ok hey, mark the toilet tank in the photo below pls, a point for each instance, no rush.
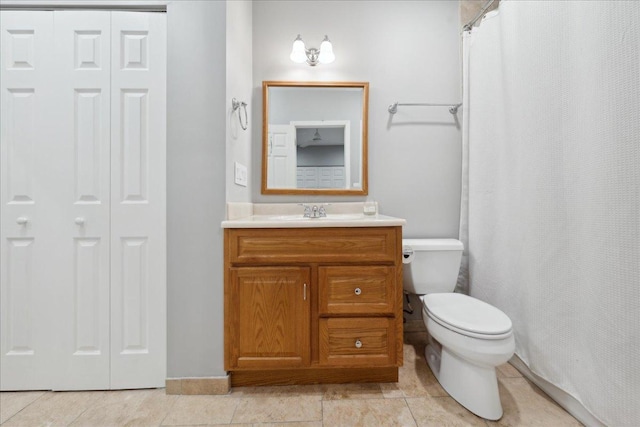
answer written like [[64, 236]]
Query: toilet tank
[[431, 265]]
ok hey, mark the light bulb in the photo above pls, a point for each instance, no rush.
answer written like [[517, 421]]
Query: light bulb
[[326, 52], [298, 52]]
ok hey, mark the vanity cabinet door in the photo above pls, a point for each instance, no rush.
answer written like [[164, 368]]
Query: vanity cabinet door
[[268, 317]]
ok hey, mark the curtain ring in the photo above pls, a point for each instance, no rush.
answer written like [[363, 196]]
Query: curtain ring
[[235, 104]]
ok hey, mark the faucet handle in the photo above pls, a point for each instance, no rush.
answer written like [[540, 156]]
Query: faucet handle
[[323, 209], [307, 210]]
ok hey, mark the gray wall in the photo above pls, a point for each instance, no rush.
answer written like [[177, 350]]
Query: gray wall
[[196, 123], [239, 86], [409, 51]]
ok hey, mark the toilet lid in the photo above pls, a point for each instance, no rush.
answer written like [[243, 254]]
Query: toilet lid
[[467, 313]]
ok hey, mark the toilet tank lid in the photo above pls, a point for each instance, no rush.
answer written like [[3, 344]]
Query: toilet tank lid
[[433, 244]]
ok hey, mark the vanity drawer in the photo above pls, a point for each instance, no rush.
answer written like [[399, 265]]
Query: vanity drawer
[[360, 290], [357, 341], [281, 245]]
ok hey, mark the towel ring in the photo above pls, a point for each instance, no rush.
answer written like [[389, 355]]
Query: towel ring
[[235, 104]]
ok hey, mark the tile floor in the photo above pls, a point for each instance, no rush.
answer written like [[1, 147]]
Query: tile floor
[[416, 400]]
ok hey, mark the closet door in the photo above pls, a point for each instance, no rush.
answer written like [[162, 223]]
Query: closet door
[[138, 200], [83, 244], [27, 177], [83, 73]]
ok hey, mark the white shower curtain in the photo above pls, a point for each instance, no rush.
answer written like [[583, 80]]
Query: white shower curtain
[[553, 122], [463, 277]]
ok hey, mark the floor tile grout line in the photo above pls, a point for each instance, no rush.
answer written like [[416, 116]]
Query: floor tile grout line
[[410, 411], [175, 401], [26, 406], [235, 409], [85, 409]]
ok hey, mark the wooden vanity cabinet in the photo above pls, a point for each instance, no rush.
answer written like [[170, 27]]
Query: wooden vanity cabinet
[[313, 305]]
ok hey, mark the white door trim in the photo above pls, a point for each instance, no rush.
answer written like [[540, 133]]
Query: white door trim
[[346, 124]]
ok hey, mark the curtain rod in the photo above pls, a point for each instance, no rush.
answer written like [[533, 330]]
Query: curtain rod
[[478, 16]]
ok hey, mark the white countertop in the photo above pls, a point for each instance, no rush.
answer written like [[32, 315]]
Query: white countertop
[[289, 215], [297, 221]]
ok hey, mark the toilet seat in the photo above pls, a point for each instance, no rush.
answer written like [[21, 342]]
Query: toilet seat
[[467, 316]]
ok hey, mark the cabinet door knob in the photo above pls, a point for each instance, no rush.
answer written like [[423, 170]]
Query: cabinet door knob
[[22, 220], [358, 291], [358, 343], [79, 220]]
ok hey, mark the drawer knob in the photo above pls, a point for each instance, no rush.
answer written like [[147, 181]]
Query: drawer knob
[[358, 343], [358, 291]]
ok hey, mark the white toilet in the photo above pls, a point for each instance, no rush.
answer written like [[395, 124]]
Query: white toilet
[[468, 337]]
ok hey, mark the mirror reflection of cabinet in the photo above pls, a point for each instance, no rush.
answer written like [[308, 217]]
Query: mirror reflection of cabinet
[[315, 138]]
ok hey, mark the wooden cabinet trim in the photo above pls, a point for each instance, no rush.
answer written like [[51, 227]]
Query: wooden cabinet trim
[[282, 246], [314, 375]]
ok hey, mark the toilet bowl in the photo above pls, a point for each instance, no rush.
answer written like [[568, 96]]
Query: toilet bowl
[[468, 338], [467, 342]]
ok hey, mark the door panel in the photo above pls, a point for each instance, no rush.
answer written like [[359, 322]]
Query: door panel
[[83, 80], [90, 132], [138, 200], [20, 287], [88, 322], [20, 109], [135, 288], [25, 176]]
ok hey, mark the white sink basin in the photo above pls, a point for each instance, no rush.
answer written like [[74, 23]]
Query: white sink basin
[[329, 217], [345, 217], [285, 218]]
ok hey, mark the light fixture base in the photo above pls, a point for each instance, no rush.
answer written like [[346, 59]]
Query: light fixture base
[[312, 56]]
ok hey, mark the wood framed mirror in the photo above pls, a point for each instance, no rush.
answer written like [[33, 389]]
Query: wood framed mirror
[[314, 138]]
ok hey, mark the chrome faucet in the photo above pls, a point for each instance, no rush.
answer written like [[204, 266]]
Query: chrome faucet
[[314, 211]]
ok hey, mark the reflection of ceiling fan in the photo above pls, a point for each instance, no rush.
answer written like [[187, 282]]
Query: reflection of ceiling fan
[[316, 139]]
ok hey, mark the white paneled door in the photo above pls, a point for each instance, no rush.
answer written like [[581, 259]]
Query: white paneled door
[[138, 213], [82, 205], [28, 242], [282, 157], [83, 200]]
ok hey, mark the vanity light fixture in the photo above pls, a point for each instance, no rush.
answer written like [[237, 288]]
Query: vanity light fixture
[[312, 56]]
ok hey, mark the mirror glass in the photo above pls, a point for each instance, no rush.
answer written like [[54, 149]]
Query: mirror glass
[[314, 138]]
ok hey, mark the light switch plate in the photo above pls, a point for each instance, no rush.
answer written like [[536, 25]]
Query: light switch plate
[[240, 174]]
